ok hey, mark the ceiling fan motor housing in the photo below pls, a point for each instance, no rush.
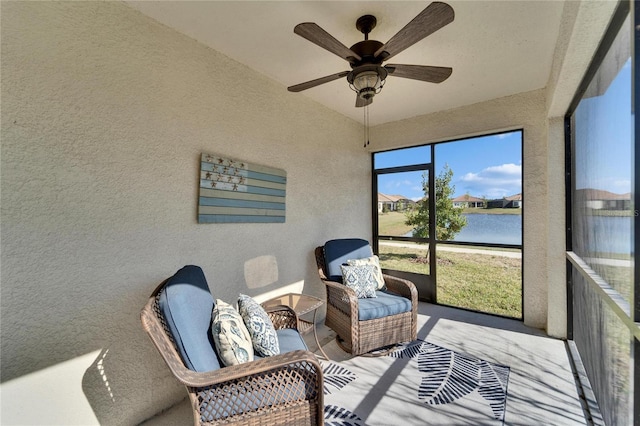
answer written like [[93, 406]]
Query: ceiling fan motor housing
[[366, 50]]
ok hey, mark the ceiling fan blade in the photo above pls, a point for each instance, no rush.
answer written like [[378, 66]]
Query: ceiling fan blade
[[361, 102], [430, 20], [317, 35], [318, 81], [419, 72]]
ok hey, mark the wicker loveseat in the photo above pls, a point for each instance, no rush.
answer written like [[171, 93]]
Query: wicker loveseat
[[281, 389], [365, 324]]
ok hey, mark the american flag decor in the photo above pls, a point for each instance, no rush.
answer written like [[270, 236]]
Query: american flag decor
[[233, 191]]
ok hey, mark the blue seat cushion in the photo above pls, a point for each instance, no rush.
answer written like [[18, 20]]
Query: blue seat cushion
[[382, 306], [289, 340], [337, 252], [186, 304]]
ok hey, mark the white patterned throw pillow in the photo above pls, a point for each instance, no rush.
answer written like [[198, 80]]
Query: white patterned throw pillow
[[230, 335], [361, 279], [261, 329], [375, 261]]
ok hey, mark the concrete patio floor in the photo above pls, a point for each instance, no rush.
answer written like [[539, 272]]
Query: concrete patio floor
[[542, 389]]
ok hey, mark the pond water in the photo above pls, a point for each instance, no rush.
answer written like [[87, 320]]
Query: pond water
[[492, 228], [602, 234]]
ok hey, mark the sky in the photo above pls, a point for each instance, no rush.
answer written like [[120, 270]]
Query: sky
[[485, 167], [604, 157], [491, 166]]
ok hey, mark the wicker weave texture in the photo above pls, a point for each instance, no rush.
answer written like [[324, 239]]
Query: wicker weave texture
[[365, 336], [285, 389]]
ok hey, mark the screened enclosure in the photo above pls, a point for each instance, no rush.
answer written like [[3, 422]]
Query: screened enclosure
[[602, 135]]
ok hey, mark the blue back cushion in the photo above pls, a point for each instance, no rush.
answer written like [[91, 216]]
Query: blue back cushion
[[337, 252], [186, 304]]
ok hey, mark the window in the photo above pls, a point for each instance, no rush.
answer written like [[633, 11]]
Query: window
[[401, 182], [461, 246], [480, 267]]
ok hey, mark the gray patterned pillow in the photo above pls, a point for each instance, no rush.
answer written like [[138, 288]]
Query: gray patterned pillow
[[361, 279], [375, 261], [261, 329], [230, 335]]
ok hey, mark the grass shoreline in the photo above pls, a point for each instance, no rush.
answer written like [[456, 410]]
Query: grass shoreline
[[444, 247], [499, 211], [480, 282]]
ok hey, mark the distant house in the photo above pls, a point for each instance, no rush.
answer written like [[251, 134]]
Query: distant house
[[499, 203], [599, 199], [392, 203], [514, 201], [467, 200], [511, 202]]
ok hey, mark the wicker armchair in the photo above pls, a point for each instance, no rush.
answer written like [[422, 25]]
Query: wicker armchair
[[363, 336], [285, 389]]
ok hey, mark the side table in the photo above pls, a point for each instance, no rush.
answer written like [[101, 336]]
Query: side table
[[301, 304]]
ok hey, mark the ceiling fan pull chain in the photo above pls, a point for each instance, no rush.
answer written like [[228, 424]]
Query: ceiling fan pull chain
[[366, 125]]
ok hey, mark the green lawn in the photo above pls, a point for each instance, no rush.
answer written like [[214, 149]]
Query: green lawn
[[404, 259], [392, 223], [620, 278], [481, 282]]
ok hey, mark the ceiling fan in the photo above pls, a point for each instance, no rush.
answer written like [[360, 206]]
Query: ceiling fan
[[365, 57]]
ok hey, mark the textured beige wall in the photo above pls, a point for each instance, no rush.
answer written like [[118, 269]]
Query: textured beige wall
[[104, 116], [556, 245], [583, 26], [523, 111]]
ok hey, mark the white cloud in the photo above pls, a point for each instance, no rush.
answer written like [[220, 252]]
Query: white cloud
[[617, 184], [493, 182], [506, 135], [622, 186]]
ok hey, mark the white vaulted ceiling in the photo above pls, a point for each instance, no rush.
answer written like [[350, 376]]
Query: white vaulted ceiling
[[496, 48]]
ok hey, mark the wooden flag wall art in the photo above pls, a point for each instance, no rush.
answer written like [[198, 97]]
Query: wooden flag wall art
[[233, 191]]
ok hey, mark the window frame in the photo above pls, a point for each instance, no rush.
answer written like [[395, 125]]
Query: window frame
[[432, 278]]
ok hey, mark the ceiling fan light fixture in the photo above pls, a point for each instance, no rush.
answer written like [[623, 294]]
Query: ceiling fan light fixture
[[367, 82]]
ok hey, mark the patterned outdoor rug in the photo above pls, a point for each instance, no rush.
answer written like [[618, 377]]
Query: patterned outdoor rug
[[416, 384]]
